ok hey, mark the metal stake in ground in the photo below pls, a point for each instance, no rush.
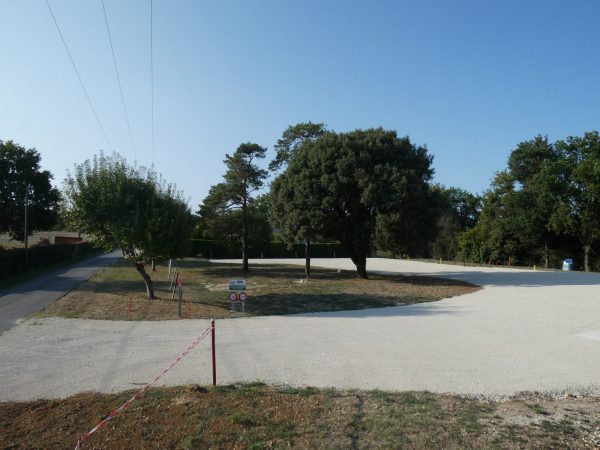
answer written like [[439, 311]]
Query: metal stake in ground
[[180, 299], [214, 357]]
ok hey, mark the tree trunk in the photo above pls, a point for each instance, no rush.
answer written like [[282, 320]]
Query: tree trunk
[[149, 286], [245, 236], [307, 254], [361, 266], [358, 257], [546, 258], [586, 257]]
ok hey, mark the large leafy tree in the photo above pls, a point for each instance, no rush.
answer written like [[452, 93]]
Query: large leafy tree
[[530, 211], [129, 207], [359, 182], [23, 181], [579, 212], [294, 216], [242, 180]]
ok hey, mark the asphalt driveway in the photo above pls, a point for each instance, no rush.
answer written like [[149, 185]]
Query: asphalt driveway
[[25, 299]]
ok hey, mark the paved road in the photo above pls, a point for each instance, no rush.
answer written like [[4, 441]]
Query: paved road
[[21, 301], [525, 331]]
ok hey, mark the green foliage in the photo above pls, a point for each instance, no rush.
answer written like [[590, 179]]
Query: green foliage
[[129, 207], [544, 207], [347, 186], [20, 169], [230, 209], [227, 224], [459, 212], [579, 212], [292, 139]]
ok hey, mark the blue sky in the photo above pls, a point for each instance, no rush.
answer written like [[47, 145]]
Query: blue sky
[[468, 79]]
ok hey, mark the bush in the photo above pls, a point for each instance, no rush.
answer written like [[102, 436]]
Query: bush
[[12, 261]]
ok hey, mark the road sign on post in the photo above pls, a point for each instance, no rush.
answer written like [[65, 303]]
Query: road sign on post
[[237, 285], [237, 288]]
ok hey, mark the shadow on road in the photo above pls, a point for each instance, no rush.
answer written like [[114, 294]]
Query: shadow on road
[[521, 279], [54, 281]]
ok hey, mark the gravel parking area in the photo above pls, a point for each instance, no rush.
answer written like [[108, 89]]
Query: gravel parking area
[[526, 331]]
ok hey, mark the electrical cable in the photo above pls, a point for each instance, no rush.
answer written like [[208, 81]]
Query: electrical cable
[[79, 77], [119, 80], [152, 77]]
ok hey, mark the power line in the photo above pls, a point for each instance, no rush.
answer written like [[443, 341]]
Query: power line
[[119, 80], [152, 78], [79, 77]]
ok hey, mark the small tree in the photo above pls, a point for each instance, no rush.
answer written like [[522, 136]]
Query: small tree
[[24, 182], [242, 179], [128, 207]]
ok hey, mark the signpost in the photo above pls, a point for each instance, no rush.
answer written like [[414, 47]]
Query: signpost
[[237, 288]]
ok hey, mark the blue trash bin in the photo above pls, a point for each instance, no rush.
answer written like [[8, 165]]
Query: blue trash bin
[[567, 265]]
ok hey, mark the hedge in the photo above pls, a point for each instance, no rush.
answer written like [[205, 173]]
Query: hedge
[[231, 250], [12, 261]]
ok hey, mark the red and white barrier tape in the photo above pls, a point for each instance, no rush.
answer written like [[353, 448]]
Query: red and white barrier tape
[[140, 392]]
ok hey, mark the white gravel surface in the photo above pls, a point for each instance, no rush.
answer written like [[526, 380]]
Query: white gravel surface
[[526, 330]]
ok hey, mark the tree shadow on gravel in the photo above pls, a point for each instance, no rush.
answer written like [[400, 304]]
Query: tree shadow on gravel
[[521, 279], [358, 305]]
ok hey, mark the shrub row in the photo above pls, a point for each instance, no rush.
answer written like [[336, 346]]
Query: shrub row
[[13, 262], [231, 249]]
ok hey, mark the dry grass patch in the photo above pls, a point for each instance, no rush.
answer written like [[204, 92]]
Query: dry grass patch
[[118, 292], [255, 416]]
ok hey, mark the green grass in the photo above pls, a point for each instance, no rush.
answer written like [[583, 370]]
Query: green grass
[[272, 290], [253, 415]]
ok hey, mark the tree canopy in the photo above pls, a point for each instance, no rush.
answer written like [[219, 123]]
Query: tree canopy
[[544, 207], [129, 207], [292, 139], [347, 186], [23, 180]]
